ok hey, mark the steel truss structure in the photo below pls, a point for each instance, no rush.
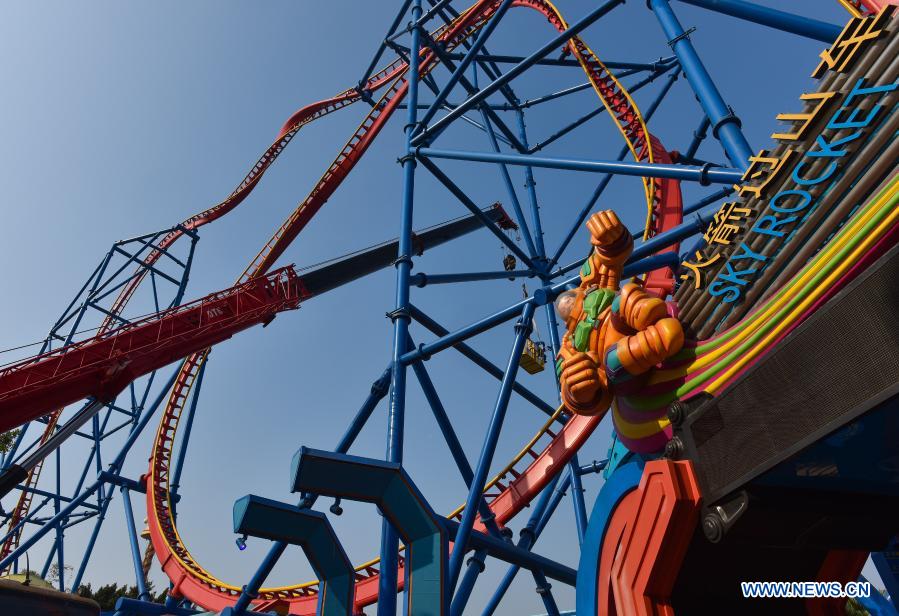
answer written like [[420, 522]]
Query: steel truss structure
[[118, 409]]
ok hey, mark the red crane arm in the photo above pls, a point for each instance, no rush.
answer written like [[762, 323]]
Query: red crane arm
[[102, 367]]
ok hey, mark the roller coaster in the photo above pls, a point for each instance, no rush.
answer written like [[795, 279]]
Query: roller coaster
[[750, 378]]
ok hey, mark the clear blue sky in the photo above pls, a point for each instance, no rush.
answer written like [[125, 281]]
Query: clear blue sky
[[123, 118]]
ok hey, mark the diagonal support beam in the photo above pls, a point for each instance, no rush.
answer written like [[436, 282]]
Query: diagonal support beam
[[515, 71], [704, 175], [490, 368], [773, 18], [726, 126]]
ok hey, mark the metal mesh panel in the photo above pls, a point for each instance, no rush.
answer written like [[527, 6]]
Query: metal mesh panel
[[840, 363]]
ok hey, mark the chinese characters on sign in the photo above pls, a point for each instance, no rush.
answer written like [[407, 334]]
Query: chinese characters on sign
[[797, 168]]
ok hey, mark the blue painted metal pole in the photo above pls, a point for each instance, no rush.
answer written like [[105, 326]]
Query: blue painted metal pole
[[543, 589], [377, 392], [387, 582], [476, 565], [470, 54], [76, 583], [452, 441], [474, 209], [704, 175], [712, 198], [549, 500], [600, 188], [251, 590], [60, 540], [886, 573], [481, 361], [523, 329], [594, 467], [516, 70], [514, 555], [507, 180], [469, 87], [663, 240], [531, 187], [773, 18], [453, 338], [570, 62], [699, 136], [132, 607], [142, 593], [443, 422], [185, 439], [600, 109], [725, 125], [639, 259], [25, 520], [383, 45], [421, 279]]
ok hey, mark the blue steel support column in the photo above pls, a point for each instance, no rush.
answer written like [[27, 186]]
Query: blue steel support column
[[387, 581], [543, 589], [712, 198], [476, 565], [698, 137], [481, 361], [523, 328], [530, 185], [185, 439], [383, 45], [600, 109], [421, 279], [251, 590], [101, 516], [779, 20], [452, 441], [142, 593], [706, 174], [507, 180], [60, 562], [549, 500], [725, 125]]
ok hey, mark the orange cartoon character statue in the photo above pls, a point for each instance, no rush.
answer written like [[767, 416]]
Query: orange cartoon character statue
[[613, 339]]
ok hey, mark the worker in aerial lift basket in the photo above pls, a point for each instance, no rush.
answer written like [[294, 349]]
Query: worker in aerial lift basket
[[613, 338]]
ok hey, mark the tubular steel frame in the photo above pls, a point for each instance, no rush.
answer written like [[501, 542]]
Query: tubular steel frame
[[423, 126]]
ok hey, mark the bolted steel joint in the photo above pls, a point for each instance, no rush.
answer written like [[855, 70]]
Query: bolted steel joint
[[674, 449]]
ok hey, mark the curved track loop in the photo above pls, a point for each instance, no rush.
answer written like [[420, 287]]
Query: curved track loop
[[190, 579]]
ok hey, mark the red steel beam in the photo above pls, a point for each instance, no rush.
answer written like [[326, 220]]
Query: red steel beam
[[101, 367]]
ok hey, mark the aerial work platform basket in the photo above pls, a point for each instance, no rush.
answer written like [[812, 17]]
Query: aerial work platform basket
[[533, 357]]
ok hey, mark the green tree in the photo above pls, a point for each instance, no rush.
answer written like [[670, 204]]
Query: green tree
[[7, 439], [108, 594], [53, 573]]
